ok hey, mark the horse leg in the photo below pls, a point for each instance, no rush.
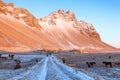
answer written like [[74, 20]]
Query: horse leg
[[110, 65], [106, 65], [92, 65], [88, 65]]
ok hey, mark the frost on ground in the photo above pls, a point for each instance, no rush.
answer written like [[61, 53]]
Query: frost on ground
[[48, 68], [106, 73], [51, 68]]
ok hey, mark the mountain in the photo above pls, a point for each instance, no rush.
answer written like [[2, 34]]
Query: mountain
[[20, 30], [19, 13], [69, 33]]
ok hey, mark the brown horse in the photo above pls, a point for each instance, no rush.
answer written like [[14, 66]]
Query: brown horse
[[63, 60], [4, 58], [117, 63], [18, 65]]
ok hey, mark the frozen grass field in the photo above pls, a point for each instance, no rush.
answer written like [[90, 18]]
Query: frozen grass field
[[52, 68]]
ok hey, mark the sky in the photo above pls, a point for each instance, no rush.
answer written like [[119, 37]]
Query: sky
[[103, 14]]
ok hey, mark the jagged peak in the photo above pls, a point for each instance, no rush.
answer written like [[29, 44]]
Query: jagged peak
[[61, 11], [6, 4], [83, 22], [1, 2], [10, 4], [67, 16], [70, 12], [19, 13]]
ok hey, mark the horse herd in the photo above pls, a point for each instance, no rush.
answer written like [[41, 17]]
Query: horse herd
[[106, 63], [17, 61], [92, 64], [11, 57], [89, 64]]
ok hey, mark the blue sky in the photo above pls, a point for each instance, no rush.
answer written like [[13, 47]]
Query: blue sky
[[103, 14]]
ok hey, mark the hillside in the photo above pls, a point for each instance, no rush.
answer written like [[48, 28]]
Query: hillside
[[20, 30]]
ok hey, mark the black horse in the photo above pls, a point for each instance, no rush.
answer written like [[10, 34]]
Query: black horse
[[11, 56], [90, 64], [107, 63], [0, 55]]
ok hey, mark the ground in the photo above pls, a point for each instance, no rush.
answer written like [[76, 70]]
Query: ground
[[52, 68]]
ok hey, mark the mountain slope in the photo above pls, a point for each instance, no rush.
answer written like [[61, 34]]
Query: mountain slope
[[19, 13], [20, 30], [70, 33]]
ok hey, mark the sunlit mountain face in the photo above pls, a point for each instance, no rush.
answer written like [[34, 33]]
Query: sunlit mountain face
[[20, 30]]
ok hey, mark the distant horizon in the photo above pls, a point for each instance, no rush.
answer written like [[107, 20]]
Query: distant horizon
[[103, 14]]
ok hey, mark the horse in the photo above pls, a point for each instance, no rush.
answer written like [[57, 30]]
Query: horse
[[4, 58], [107, 63], [117, 63], [17, 66], [11, 56], [63, 60], [90, 64], [109, 57], [0, 55]]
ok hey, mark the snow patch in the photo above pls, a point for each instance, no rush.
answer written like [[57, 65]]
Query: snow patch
[[9, 8], [21, 15]]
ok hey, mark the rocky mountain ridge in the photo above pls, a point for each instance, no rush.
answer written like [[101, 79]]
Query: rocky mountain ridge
[[20, 30], [83, 27], [19, 13]]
